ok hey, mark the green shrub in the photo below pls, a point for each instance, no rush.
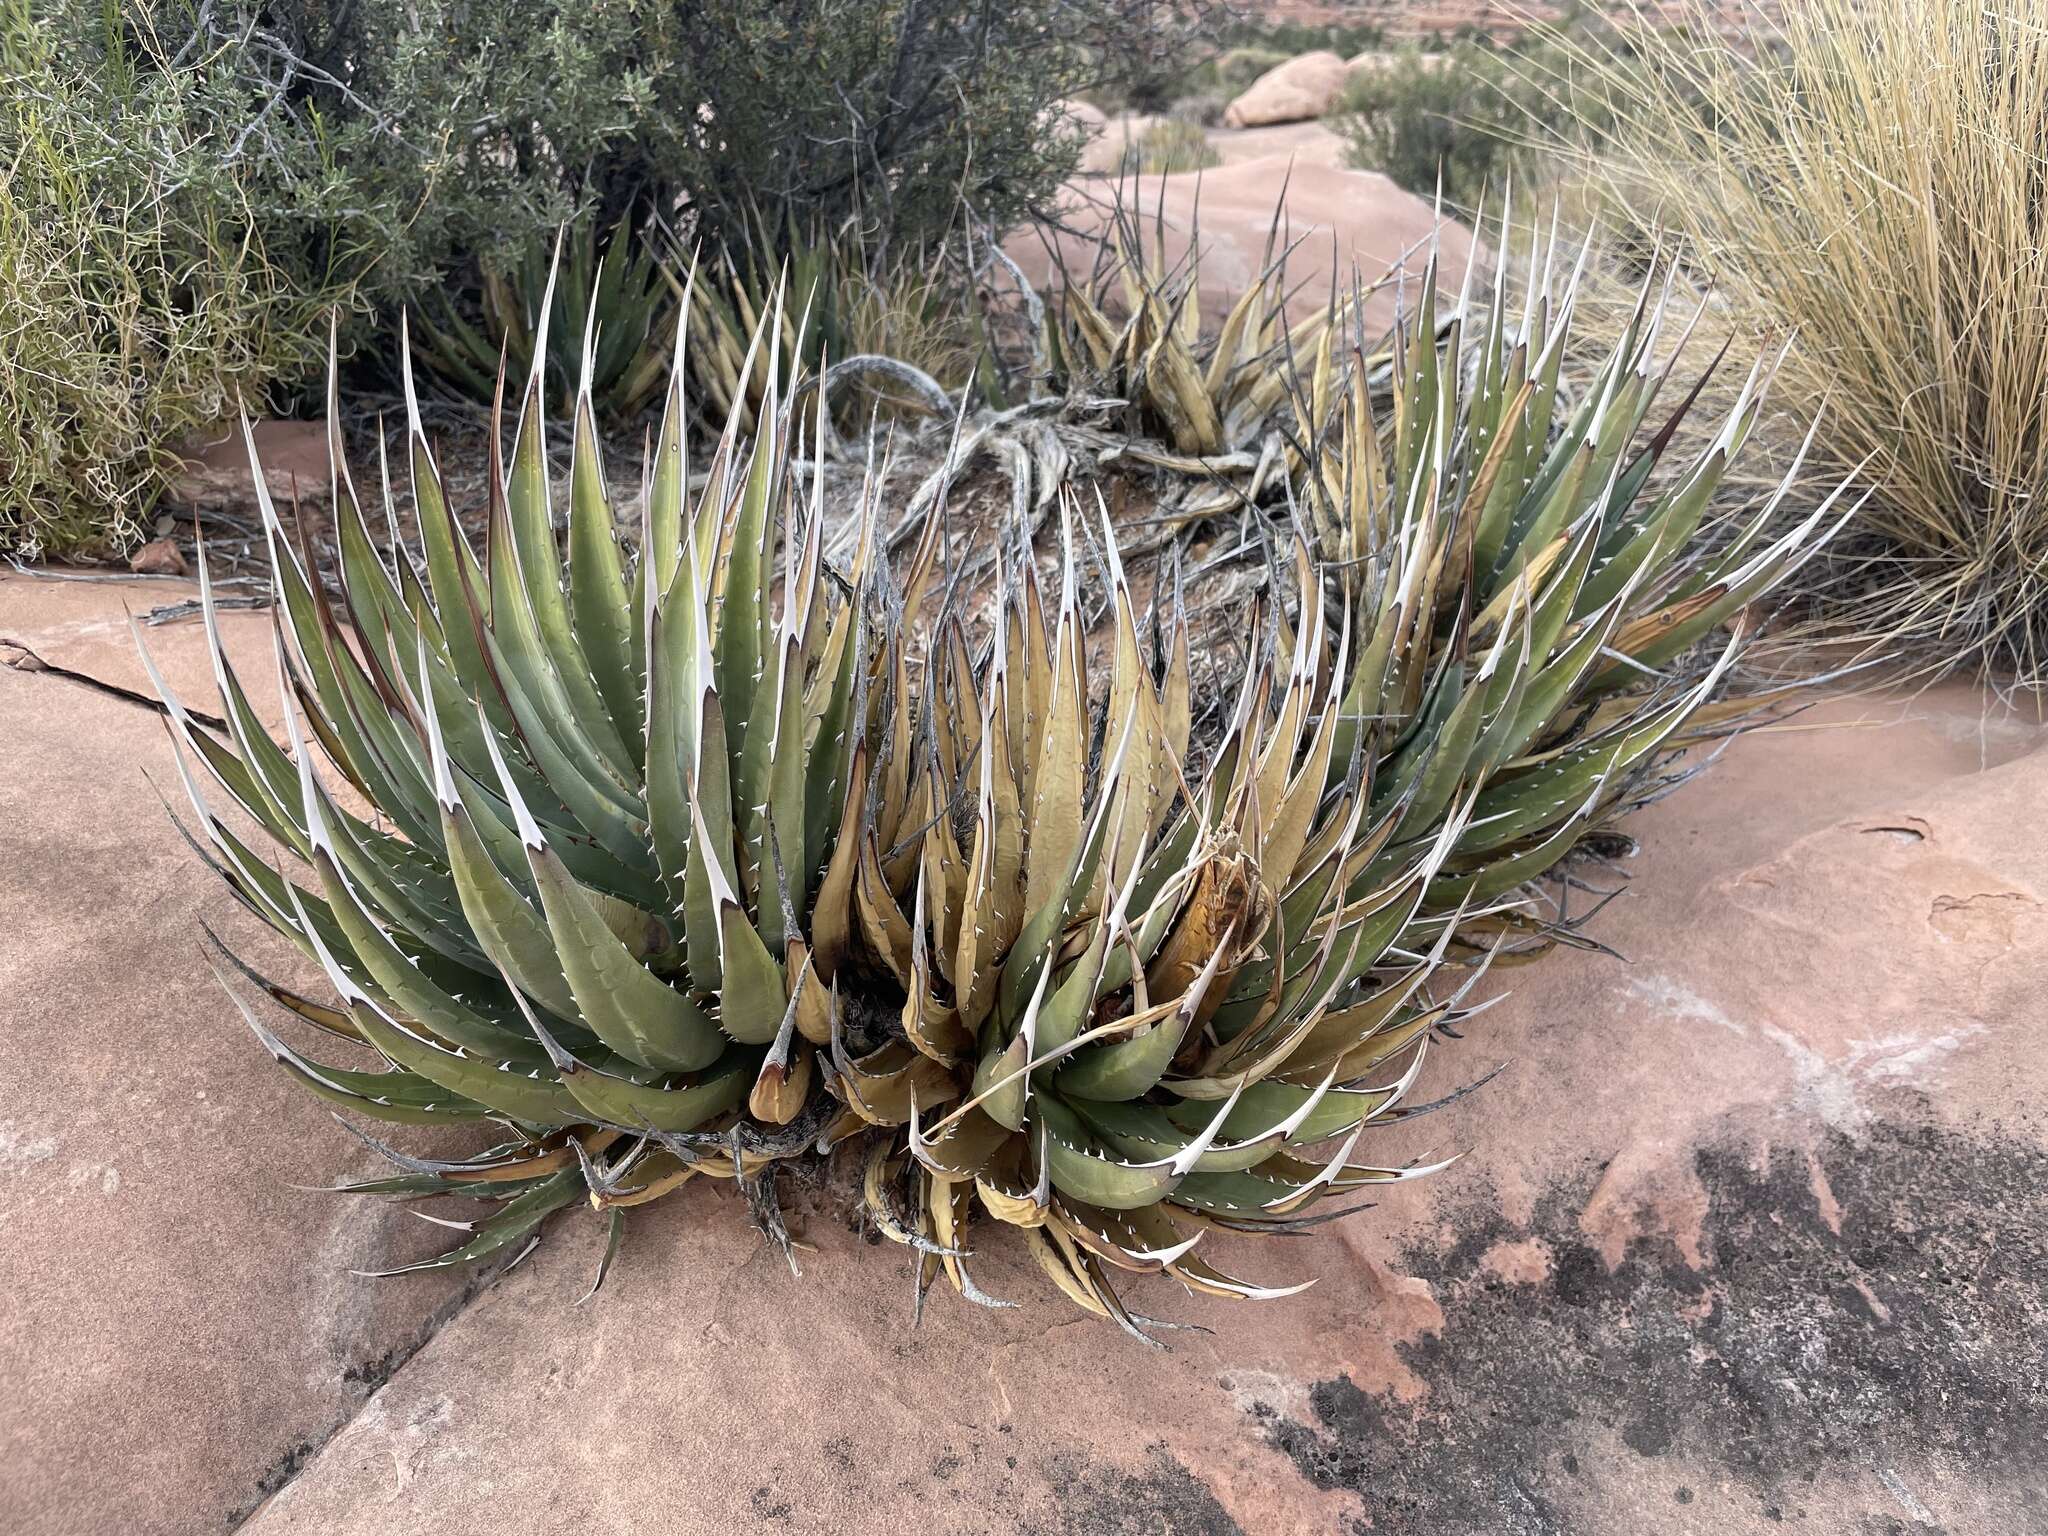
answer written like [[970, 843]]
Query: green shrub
[[1286, 39], [887, 120], [462, 131], [1475, 114], [193, 184], [1204, 111], [1237, 68], [1241, 48], [1416, 115], [140, 304]]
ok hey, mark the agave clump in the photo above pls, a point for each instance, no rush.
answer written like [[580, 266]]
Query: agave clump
[[704, 854]]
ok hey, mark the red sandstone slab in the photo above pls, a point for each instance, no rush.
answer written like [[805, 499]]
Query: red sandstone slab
[[179, 1327]]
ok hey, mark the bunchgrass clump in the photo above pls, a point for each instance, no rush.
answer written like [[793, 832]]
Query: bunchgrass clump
[[1169, 146], [1866, 181], [1475, 117]]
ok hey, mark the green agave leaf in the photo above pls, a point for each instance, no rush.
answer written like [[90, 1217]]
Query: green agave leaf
[[1272, 1189], [369, 746], [540, 614], [509, 931], [1748, 582], [1285, 1111], [401, 884], [673, 1104], [754, 992], [528, 1093], [679, 662], [633, 1011], [447, 1015], [743, 614], [828, 758], [1100, 1178], [1125, 1069], [1503, 875], [398, 1097], [1146, 1133], [461, 598], [600, 603], [1002, 1077], [520, 1218], [709, 871], [596, 804]]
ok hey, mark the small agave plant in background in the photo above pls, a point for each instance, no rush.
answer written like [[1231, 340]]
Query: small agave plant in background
[[694, 852], [617, 292]]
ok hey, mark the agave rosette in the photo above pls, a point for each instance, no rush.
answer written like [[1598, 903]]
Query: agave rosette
[[1196, 984], [620, 288], [703, 853], [605, 794], [1134, 327], [1128, 1000]]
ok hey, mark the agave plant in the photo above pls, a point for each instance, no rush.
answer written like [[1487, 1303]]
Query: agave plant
[[1134, 328], [619, 292], [1147, 385], [584, 909], [1198, 982], [704, 854]]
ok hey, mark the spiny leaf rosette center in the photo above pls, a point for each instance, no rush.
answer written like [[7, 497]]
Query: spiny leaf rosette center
[[703, 848]]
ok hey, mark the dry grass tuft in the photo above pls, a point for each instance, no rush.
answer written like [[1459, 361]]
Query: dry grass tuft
[[1870, 184]]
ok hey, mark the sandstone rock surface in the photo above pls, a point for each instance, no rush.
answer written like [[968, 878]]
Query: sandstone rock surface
[[1299, 144], [1311, 143], [159, 557]]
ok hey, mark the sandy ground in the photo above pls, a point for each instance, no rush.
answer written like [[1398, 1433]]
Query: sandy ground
[[1748, 1237]]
